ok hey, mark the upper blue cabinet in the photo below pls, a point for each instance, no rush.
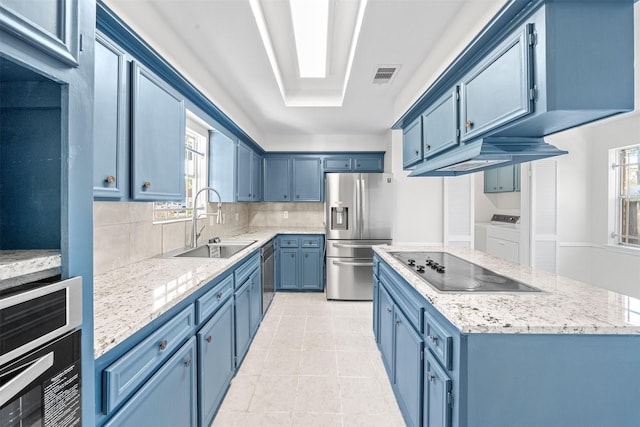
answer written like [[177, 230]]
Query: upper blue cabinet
[[248, 175], [354, 162], [307, 179], [277, 186], [538, 68], [51, 26], [157, 138]]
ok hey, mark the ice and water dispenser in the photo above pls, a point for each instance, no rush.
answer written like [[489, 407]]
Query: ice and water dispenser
[[339, 218]]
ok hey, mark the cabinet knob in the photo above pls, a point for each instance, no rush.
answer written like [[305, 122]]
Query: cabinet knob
[[208, 338], [306, 255], [397, 323], [427, 147], [416, 152], [469, 124], [431, 377], [358, 165], [346, 165], [285, 196], [433, 339], [297, 196], [111, 179], [163, 344], [219, 295], [292, 255], [147, 184], [388, 309], [187, 363]]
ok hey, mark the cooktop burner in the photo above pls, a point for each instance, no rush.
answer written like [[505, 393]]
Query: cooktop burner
[[448, 273]]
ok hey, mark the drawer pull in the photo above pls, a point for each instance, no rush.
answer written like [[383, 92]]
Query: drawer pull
[[469, 124], [389, 309], [163, 344], [397, 323], [219, 295], [187, 363], [431, 377], [416, 152], [111, 179], [433, 339], [293, 255], [208, 338], [346, 165]]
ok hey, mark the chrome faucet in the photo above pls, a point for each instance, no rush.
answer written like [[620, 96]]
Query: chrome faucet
[[194, 216]]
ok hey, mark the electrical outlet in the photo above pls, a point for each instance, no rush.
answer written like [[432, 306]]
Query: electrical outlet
[[285, 214]]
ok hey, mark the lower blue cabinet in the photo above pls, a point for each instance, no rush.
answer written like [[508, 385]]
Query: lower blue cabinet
[[385, 330], [310, 273], [242, 298], [215, 361], [407, 352], [437, 394], [168, 399], [288, 269], [301, 263], [255, 293]]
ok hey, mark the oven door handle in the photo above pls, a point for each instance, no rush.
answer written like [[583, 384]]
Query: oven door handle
[[354, 264], [22, 380]]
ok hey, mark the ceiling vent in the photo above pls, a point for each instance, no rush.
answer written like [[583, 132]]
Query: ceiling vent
[[384, 74]]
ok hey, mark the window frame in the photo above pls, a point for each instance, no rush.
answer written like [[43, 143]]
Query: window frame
[[618, 235]]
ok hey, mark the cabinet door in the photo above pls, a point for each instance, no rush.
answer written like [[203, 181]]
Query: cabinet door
[[516, 177], [376, 307], [242, 313], [412, 143], [310, 271], [157, 138], [110, 121], [407, 349], [169, 398], [440, 125], [307, 180], [289, 269], [337, 164], [222, 167], [255, 315], [506, 178], [51, 26], [497, 90], [385, 331], [277, 179], [368, 164], [491, 180], [243, 173], [437, 394], [215, 361], [256, 177]]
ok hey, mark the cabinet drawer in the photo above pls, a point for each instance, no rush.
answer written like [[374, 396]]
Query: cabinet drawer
[[438, 340], [243, 272], [209, 302], [127, 373], [310, 242], [286, 242]]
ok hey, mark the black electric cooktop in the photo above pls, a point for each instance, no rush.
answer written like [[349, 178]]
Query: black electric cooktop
[[448, 273]]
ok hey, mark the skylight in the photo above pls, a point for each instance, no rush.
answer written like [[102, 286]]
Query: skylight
[[310, 25]]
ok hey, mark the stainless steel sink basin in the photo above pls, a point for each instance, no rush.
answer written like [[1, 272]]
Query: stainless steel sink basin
[[222, 249]]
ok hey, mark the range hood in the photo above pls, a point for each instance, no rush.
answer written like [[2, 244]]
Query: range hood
[[486, 153]]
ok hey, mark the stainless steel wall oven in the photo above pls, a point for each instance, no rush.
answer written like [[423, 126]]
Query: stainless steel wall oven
[[40, 377]]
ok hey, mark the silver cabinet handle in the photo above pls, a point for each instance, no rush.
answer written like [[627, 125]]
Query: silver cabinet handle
[[208, 338], [353, 264], [433, 339], [187, 363], [163, 344], [17, 384], [431, 377]]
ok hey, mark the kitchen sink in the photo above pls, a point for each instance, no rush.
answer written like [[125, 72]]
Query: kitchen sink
[[222, 249]]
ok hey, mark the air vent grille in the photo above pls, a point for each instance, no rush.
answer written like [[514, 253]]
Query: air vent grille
[[384, 75]]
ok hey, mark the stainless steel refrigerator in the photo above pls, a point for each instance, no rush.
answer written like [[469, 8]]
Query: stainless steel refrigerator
[[358, 215]]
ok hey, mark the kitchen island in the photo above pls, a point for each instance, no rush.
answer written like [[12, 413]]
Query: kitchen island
[[568, 355]]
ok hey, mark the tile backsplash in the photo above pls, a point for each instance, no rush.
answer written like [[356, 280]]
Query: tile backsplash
[[124, 233]]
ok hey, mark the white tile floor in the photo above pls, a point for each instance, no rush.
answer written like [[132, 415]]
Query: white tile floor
[[313, 362]]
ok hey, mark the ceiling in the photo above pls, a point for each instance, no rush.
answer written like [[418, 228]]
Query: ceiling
[[217, 45]]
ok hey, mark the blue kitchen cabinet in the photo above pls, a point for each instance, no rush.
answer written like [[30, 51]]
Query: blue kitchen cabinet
[[215, 361], [51, 26], [288, 270], [440, 125], [437, 394], [301, 263], [222, 167], [337, 164], [243, 171], [157, 138], [277, 186], [307, 179], [255, 291], [310, 269], [385, 322], [354, 162], [412, 143], [502, 180], [368, 164], [256, 177], [408, 353], [242, 324], [497, 90], [110, 143], [168, 399]]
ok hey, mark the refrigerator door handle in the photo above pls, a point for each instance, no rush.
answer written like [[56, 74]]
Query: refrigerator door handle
[[357, 208], [363, 194], [343, 245]]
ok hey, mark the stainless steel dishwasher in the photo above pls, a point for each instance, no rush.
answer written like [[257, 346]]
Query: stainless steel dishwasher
[[268, 289]]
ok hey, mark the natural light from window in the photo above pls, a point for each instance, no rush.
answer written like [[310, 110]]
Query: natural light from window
[[627, 208]]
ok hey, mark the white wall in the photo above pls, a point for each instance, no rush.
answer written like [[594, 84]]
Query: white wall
[[493, 203]]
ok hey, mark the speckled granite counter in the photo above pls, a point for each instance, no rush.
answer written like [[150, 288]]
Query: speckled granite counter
[[14, 264], [565, 306], [128, 298]]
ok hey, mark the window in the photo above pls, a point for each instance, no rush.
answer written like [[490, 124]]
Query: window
[[627, 196], [195, 173]]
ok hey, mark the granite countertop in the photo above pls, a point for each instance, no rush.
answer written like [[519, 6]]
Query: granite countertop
[[14, 264], [565, 306], [128, 298]]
